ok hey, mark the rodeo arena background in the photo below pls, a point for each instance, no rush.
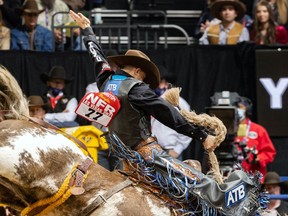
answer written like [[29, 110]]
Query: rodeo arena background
[[143, 107]]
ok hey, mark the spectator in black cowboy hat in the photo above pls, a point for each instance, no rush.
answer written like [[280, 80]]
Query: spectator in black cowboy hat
[[273, 185], [62, 106], [37, 106]]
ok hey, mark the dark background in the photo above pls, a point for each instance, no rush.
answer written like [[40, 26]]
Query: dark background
[[200, 70], [272, 64]]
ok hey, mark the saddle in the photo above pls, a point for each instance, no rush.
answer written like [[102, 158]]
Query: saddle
[[147, 185], [187, 189]]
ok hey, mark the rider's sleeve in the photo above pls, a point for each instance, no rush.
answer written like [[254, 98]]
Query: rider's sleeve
[[101, 66], [144, 98]]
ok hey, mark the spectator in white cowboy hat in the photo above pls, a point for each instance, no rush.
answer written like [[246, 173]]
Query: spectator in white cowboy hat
[[228, 31], [37, 106], [62, 106], [273, 185], [31, 36]]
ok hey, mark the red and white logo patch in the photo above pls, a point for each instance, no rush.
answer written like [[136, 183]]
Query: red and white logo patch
[[100, 107]]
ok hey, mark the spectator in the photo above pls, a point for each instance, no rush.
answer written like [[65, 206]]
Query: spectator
[[62, 106], [206, 19], [265, 30], [167, 81], [9, 9], [4, 35], [256, 138], [280, 10], [51, 7], [228, 31], [31, 36], [37, 107], [273, 185], [171, 141]]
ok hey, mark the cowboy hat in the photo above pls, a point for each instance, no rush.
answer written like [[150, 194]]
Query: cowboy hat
[[36, 100], [56, 72], [217, 5], [137, 58], [30, 6], [274, 178]]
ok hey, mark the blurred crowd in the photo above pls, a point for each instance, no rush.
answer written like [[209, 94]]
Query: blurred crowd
[[38, 24], [44, 25]]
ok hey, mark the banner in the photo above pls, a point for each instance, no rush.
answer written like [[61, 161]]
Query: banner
[[272, 94]]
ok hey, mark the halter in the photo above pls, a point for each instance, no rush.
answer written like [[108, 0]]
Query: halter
[[72, 185]]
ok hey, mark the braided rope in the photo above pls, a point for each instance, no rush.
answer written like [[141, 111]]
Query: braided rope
[[210, 123], [54, 198]]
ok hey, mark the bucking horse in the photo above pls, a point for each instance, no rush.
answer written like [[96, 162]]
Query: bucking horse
[[43, 172]]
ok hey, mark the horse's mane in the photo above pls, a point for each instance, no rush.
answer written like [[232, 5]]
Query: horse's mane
[[13, 104]]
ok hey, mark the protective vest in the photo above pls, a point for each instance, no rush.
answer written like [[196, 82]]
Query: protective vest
[[130, 124], [232, 36]]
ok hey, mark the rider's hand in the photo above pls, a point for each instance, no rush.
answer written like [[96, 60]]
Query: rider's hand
[[82, 21], [209, 143]]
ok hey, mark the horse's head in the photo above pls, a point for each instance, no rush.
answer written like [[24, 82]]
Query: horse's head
[[33, 162]]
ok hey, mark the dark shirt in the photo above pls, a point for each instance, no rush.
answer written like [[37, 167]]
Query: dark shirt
[[11, 16], [141, 96]]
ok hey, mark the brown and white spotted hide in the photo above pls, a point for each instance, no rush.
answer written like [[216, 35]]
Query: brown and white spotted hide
[[35, 161]]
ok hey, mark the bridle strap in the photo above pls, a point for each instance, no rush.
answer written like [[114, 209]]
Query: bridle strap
[[43, 206], [103, 198]]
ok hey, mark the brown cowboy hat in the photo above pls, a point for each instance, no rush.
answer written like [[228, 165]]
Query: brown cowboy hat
[[274, 178], [36, 100], [137, 58], [30, 6], [217, 5], [56, 72]]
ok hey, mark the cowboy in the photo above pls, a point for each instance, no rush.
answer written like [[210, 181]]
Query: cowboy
[[31, 36], [273, 185], [62, 106], [228, 31], [134, 85], [37, 106]]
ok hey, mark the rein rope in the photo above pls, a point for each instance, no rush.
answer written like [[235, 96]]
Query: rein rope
[[211, 123]]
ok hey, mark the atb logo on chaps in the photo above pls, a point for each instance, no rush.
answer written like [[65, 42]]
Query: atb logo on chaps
[[235, 195]]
